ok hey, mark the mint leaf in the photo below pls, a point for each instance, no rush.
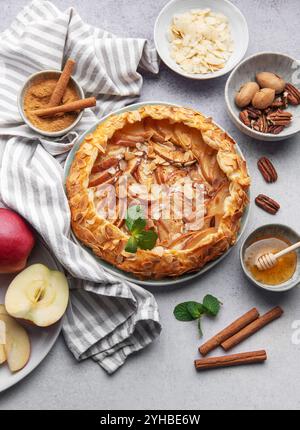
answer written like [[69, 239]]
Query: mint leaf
[[131, 245], [138, 226], [195, 309], [133, 214], [147, 239], [181, 312], [211, 304], [188, 311], [199, 327]]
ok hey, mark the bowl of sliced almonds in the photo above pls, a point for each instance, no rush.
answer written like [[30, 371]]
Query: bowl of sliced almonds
[[201, 39]]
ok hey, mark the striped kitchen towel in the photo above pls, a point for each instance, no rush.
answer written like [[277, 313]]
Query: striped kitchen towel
[[107, 318]]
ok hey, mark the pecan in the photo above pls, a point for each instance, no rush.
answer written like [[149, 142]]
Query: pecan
[[244, 117], [267, 204], [262, 124], [267, 169], [275, 129], [253, 113], [279, 117], [293, 94], [280, 101]]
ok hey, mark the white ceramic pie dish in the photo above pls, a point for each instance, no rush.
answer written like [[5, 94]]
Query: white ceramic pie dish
[[125, 275], [238, 25]]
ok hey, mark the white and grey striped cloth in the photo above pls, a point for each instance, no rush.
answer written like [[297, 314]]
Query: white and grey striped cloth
[[107, 319]]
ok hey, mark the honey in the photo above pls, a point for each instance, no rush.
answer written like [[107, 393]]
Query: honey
[[283, 269]]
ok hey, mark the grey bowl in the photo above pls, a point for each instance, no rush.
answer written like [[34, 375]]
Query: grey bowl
[[28, 82], [272, 229], [281, 64], [125, 275]]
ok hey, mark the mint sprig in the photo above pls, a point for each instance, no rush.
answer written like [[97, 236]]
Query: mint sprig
[[140, 237], [189, 311]]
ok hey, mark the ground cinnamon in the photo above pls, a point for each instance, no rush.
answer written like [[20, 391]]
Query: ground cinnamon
[[62, 83], [252, 328], [231, 360], [38, 95], [229, 331]]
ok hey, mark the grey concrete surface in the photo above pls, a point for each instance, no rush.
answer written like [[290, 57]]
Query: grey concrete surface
[[163, 376]]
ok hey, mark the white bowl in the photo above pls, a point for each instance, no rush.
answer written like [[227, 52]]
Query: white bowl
[[281, 64], [239, 31], [272, 230], [28, 82]]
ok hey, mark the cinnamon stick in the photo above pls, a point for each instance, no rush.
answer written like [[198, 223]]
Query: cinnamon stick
[[62, 83], [229, 331], [68, 107], [252, 328], [231, 360]]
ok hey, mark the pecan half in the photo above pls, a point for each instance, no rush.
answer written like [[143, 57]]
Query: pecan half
[[253, 113], [244, 117], [267, 204], [279, 117], [293, 94], [280, 101], [262, 124], [267, 170], [275, 129]]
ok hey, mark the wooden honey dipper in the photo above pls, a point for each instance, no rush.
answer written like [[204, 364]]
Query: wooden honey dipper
[[267, 261]]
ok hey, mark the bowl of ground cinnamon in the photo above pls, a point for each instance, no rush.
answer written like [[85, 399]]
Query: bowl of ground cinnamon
[[51, 102]]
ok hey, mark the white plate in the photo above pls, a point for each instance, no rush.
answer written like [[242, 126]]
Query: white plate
[[238, 25], [41, 339], [125, 275]]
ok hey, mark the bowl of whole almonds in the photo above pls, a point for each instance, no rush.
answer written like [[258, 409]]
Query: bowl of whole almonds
[[262, 95]]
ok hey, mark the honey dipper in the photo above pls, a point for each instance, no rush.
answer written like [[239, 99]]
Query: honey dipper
[[267, 261]]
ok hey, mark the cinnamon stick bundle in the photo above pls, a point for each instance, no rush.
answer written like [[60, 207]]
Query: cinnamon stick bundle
[[68, 107], [252, 328], [229, 331], [231, 360], [62, 83]]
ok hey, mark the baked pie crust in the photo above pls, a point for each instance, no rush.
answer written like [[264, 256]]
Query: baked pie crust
[[159, 144]]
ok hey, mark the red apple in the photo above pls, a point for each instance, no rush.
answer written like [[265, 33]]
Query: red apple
[[16, 241]]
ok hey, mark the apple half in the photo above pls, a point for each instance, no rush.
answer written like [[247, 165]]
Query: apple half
[[38, 294], [16, 349]]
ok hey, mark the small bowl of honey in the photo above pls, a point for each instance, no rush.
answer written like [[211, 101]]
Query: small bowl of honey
[[271, 238]]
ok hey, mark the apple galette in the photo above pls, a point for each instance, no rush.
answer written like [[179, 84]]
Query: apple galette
[[181, 173]]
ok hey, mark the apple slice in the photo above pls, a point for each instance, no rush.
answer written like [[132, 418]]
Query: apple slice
[[17, 346], [3, 310], [2, 341], [38, 294], [2, 354]]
